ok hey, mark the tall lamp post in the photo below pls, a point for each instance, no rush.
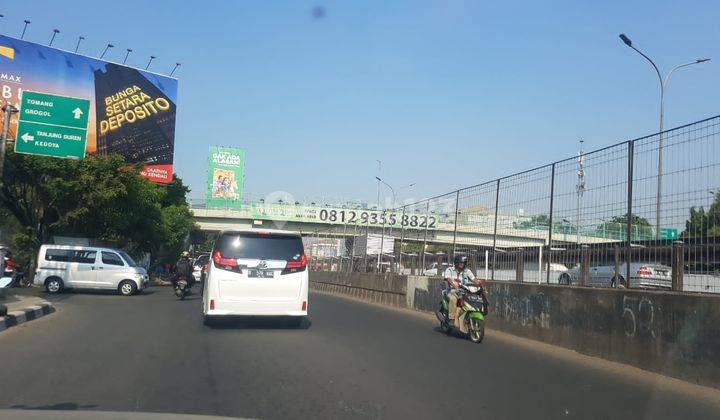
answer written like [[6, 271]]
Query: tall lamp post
[[663, 87], [392, 190]]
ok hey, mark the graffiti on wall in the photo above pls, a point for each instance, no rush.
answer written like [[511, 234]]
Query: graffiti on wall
[[640, 316], [531, 310]]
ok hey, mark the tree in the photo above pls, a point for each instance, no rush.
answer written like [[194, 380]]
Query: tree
[[536, 221], [702, 223], [175, 192], [100, 197], [617, 227]]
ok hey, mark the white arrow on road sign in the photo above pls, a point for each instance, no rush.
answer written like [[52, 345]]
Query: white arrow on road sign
[[27, 137], [78, 112]]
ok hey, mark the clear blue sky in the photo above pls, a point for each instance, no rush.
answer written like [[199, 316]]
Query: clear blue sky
[[445, 93]]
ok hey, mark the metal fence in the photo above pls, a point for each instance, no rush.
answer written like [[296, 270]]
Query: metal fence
[[641, 213]]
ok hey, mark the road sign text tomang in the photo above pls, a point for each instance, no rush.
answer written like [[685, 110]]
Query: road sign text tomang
[[52, 125]]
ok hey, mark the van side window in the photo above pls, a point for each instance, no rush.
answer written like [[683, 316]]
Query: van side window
[[111, 258], [56, 255], [84, 257]]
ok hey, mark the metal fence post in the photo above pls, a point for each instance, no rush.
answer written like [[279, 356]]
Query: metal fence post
[[520, 266], [497, 201], [344, 246], [352, 250], [427, 213], [457, 201], [628, 245], [365, 253], [550, 227], [678, 259], [382, 243], [402, 238]]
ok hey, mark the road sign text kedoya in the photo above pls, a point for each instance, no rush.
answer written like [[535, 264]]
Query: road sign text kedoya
[[52, 125]]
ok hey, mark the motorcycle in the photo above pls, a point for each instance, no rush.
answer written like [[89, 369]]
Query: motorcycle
[[471, 318], [182, 288]]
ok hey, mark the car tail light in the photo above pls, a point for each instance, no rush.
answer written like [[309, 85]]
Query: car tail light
[[295, 266], [212, 303], [218, 259], [304, 305], [644, 271]]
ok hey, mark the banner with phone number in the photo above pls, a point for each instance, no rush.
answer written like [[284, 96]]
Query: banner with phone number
[[341, 216]]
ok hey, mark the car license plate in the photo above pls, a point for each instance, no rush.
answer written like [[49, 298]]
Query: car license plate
[[263, 274]]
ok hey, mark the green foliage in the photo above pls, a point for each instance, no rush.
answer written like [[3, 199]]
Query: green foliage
[[99, 197], [702, 223], [617, 227], [537, 221]]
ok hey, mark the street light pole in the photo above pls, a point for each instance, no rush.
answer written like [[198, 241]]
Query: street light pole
[[663, 87], [378, 183], [392, 190]]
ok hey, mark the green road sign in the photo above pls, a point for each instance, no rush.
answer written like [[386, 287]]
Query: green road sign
[[52, 125], [668, 233]]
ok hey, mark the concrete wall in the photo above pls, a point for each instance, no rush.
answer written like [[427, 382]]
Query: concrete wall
[[676, 334]]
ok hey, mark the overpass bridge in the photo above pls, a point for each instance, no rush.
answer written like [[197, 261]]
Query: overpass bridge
[[476, 230]]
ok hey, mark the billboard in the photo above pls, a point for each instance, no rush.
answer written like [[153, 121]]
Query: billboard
[[226, 175], [132, 111]]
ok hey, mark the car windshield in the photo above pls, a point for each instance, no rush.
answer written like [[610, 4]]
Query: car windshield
[[128, 259]]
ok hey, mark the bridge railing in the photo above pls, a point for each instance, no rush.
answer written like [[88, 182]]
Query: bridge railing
[[641, 211]]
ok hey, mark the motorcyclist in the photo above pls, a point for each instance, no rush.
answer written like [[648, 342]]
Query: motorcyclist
[[456, 275], [183, 270]]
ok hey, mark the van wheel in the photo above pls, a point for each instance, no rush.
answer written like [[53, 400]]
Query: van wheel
[[54, 285], [127, 288]]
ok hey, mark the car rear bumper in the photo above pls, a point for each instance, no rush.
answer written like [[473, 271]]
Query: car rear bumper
[[650, 283], [253, 307]]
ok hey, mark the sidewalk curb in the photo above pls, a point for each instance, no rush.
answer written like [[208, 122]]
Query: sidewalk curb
[[28, 314]]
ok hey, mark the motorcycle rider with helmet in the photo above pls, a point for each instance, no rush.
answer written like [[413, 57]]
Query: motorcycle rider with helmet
[[456, 275], [183, 269]]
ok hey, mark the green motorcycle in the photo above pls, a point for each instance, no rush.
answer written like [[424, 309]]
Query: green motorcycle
[[471, 319]]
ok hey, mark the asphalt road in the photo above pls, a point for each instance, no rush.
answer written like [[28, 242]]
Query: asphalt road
[[351, 360]]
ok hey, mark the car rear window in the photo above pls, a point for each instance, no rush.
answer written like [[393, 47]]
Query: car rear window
[[259, 246]]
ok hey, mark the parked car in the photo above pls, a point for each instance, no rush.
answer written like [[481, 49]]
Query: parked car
[[82, 267], [435, 270], [200, 261], [642, 275]]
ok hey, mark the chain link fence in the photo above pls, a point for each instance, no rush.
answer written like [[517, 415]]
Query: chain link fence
[[642, 213]]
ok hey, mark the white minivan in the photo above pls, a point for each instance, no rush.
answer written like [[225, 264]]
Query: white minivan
[[83, 267], [257, 272]]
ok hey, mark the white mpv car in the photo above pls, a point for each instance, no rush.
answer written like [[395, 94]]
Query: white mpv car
[[257, 272], [83, 267]]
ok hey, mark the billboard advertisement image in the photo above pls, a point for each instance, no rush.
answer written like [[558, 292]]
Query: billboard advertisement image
[[226, 175], [131, 111]]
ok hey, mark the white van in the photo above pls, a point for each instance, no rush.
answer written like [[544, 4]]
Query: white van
[[257, 272], [82, 267]]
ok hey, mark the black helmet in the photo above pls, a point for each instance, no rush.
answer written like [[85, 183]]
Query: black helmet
[[460, 259]]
